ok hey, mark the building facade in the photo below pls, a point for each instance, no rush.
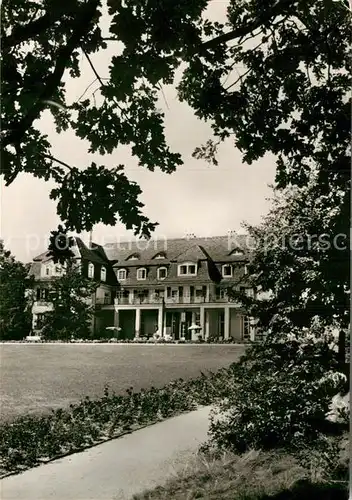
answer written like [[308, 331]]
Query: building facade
[[174, 287]]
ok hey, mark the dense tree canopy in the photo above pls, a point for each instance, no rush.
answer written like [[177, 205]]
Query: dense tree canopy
[[301, 262], [15, 315], [273, 78]]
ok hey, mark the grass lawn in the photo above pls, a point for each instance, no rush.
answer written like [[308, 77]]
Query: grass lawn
[[36, 378]]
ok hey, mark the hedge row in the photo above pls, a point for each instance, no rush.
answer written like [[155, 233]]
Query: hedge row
[[31, 440]]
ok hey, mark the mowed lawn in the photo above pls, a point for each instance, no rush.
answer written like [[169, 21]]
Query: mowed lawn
[[36, 378]]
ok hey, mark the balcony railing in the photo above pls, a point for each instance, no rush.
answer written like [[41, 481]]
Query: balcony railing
[[42, 303], [185, 300], [170, 300], [138, 300], [103, 301]]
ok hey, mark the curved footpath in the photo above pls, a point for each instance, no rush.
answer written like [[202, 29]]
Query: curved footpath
[[118, 469]]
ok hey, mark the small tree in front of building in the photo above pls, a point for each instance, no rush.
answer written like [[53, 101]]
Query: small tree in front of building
[[70, 294]]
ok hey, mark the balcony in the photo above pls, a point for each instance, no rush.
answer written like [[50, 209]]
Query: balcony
[[138, 300], [185, 300], [103, 301], [41, 306], [172, 300]]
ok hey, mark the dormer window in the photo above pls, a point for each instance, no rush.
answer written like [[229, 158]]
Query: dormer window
[[103, 274], [90, 270], [134, 256], [227, 271], [160, 255], [121, 274], [141, 273], [162, 273], [236, 251], [187, 269]]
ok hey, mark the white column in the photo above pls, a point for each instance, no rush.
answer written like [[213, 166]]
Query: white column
[[227, 323], [131, 297], [202, 321], [160, 321], [138, 322], [207, 323], [207, 296], [252, 330], [116, 322]]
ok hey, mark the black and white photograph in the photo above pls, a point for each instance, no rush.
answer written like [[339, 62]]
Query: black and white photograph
[[175, 199]]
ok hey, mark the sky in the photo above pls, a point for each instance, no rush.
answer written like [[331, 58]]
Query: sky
[[199, 198]]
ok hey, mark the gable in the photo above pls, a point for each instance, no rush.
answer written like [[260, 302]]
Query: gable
[[193, 254], [236, 252]]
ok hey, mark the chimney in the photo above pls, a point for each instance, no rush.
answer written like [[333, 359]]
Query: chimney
[[190, 236], [90, 243]]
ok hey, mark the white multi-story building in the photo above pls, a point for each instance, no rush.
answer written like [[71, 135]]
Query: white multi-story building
[[164, 286]]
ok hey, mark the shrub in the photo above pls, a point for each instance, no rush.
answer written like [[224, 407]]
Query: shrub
[[31, 440], [283, 390]]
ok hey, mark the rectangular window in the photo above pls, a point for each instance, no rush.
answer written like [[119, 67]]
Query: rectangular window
[[141, 274], [121, 274], [40, 320], [90, 270], [183, 269], [187, 270], [162, 273], [246, 327], [227, 271]]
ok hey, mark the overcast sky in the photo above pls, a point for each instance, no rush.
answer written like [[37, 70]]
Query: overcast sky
[[198, 198]]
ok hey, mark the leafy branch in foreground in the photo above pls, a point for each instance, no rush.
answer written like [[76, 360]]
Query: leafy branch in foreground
[[274, 76]]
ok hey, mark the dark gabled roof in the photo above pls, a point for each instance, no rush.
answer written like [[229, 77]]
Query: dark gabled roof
[[194, 253], [172, 277], [43, 256], [209, 253], [35, 268], [96, 254], [216, 247]]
